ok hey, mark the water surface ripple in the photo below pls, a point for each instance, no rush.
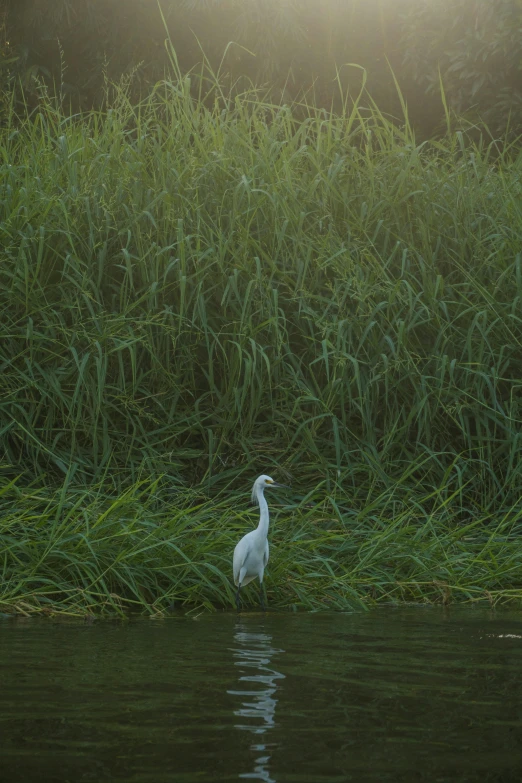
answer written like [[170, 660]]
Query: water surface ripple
[[391, 695]]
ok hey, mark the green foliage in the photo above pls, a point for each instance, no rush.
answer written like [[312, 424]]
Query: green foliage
[[83, 552], [475, 49], [295, 48], [200, 291]]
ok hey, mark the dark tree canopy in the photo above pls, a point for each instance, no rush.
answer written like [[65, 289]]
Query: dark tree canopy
[[472, 47]]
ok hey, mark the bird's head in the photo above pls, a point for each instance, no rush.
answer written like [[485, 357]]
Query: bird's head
[[260, 484]]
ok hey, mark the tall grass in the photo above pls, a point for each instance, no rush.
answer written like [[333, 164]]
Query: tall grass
[[194, 291]]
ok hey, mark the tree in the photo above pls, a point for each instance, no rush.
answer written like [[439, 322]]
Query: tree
[[474, 49]]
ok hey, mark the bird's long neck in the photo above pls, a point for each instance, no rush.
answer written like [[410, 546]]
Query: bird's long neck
[[262, 528]]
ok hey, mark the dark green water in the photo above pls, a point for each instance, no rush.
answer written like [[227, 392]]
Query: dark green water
[[391, 695]]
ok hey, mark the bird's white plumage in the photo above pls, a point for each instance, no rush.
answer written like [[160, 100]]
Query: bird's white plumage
[[251, 555], [252, 551]]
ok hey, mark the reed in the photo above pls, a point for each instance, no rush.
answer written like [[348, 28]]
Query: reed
[[197, 290]]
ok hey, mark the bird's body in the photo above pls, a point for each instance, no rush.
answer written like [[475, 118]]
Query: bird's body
[[250, 558], [252, 551]]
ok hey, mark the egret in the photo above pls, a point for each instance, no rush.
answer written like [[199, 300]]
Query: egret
[[251, 553]]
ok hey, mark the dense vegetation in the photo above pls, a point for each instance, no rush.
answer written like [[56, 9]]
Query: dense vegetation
[[295, 47], [197, 290]]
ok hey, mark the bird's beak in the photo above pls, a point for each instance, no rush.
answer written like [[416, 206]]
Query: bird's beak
[[283, 486]]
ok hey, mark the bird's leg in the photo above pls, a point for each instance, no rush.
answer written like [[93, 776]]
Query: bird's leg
[[261, 598], [238, 600]]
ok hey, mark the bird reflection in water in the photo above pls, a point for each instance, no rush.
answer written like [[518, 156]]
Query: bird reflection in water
[[253, 653]]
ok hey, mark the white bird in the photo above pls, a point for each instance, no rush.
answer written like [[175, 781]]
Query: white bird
[[251, 553]]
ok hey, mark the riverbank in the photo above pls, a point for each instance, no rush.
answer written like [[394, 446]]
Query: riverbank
[[84, 554], [194, 293]]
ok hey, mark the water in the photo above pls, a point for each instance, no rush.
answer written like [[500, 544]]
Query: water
[[391, 695]]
